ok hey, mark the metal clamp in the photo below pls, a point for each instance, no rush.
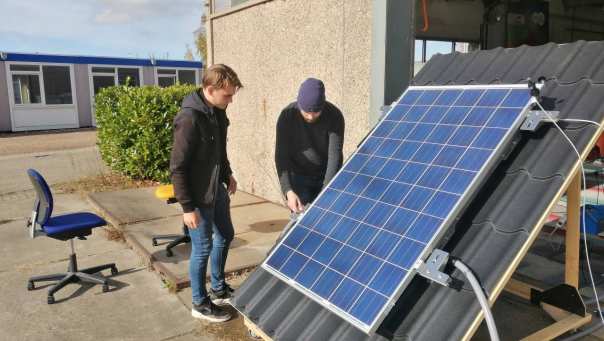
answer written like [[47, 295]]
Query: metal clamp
[[432, 268], [536, 118]]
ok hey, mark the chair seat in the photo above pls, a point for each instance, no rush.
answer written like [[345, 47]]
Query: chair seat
[[164, 192], [72, 223]]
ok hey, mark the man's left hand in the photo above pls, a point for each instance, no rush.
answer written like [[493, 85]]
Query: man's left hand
[[232, 188]]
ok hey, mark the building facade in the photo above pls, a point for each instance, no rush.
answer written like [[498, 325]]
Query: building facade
[[39, 91], [365, 51]]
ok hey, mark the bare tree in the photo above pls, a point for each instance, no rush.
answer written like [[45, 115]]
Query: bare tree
[[201, 42], [189, 53]]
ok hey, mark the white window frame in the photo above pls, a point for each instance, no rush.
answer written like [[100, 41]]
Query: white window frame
[[114, 74], [157, 68], [40, 73]]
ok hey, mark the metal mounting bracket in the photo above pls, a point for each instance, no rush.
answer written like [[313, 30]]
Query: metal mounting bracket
[[432, 268], [536, 118]]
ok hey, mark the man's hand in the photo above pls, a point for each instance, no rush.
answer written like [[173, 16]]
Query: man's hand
[[191, 219], [293, 202], [232, 188]]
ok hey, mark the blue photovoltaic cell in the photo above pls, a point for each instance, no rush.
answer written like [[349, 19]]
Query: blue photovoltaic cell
[[356, 247]]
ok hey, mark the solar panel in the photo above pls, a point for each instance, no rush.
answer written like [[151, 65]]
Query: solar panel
[[358, 245]]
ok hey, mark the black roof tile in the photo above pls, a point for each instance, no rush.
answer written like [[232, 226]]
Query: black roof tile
[[498, 221]]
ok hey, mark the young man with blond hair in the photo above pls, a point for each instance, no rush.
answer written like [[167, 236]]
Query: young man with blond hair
[[202, 179]]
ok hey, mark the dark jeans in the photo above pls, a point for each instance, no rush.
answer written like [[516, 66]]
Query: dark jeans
[[306, 187], [211, 239]]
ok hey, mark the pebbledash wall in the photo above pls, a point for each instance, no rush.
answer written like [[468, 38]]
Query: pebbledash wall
[[41, 91], [290, 41]]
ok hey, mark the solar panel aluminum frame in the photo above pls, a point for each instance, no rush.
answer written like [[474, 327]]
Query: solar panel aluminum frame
[[457, 209]]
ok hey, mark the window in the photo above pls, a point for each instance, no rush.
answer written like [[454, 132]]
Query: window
[[169, 77], [128, 76], [27, 89], [186, 77], [41, 84], [433, 47], [223, 5], [104, 76], [15, 67], [57, 84], [97, 69], [99, 82], [166, 77], [426, 49], [419, 51]]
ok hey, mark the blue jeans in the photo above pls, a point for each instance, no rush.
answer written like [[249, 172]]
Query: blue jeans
[[306, 187], [214, 221]]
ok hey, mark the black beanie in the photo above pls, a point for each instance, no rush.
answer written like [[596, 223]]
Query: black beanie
[[311, 96]]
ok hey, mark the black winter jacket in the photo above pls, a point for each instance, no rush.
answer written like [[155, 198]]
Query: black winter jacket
[[199, 162]]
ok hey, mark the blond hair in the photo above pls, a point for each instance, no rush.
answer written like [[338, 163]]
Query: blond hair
[[220, 76]]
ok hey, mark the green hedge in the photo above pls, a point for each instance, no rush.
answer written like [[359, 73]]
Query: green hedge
[[135, 128]]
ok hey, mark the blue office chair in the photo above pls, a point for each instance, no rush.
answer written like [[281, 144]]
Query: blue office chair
[[63, 227]]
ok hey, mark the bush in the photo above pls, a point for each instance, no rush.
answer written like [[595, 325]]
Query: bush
[[135, 129]]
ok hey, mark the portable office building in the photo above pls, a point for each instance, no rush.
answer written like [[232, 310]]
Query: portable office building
[[41, 91]]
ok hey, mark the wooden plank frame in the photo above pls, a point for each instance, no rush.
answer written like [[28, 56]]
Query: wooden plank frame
[[533, 235], [565, 321]]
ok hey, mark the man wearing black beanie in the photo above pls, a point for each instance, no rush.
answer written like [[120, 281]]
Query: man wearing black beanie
[[308, 150]]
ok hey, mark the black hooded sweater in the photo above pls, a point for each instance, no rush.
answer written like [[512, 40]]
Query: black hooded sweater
[[199, 162]]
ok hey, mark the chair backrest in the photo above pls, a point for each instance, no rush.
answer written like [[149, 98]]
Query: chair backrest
[[44, 197]]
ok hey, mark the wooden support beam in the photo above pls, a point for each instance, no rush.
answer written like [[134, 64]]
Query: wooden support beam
[[573, 235], [569, 323], [255, 331], [520, 289]]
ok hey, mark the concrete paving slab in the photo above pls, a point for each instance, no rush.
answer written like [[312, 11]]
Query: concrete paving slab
[[19, 205], [140, 204], [138, 308], [55, 167], [261, 217], [46, 141], [132, 205], [242, 199], [257, 226], [23, 252]]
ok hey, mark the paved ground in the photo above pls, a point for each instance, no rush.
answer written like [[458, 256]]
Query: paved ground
[[139, 307], [46, 141], [258, 223]]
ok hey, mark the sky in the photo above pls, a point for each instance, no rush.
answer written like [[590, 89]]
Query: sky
[[112, 28]]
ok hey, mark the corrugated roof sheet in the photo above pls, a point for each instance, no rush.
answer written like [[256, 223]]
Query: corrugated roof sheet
[[498, 222]]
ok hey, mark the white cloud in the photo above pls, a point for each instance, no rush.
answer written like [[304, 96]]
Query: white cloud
[[109, 16], [100, 27], [123, 11]]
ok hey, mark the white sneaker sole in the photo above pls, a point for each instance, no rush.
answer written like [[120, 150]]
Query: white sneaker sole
[[222, 301], [200, 316]]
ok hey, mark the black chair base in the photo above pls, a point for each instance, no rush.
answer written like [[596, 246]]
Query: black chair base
[[73, 275], [176, 239]]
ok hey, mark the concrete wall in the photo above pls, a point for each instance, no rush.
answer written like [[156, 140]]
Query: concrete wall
[[148, 75], [5, 122], [82, 91], [273, 47]]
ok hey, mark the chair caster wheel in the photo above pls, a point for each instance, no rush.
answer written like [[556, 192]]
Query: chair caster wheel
[[154, 242], [169, 253], [30, 286], [50, 300], [105, 288], [113, 271]]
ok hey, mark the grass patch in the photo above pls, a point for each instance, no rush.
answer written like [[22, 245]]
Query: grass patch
[[102, 183]]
